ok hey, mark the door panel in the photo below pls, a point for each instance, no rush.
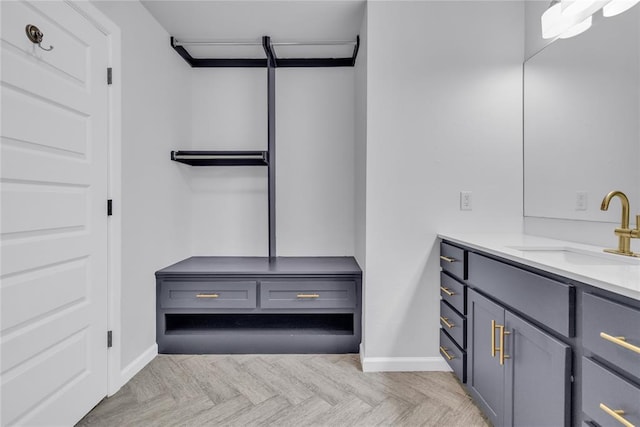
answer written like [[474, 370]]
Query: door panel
[[485, 376], [538, 373], [53, 185]]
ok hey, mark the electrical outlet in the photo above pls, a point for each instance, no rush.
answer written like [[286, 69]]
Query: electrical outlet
[[465, 201], [581, 201]]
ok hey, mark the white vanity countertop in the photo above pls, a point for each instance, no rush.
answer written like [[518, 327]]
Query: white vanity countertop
[[583, 263]]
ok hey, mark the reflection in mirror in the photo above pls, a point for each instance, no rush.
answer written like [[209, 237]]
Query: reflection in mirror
[[581, 122]]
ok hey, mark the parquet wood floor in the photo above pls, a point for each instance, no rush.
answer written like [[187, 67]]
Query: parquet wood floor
[[283, 390]]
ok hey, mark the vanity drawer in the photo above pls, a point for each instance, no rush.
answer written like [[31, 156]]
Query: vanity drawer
[[545, 300], [602, 319], [453, 324], [212, 294], [602, 389], [453, 292], [453, 260], [308, 294], [454, 356]]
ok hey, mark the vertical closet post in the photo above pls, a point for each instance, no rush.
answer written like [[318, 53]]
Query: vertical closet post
[[271, 140]]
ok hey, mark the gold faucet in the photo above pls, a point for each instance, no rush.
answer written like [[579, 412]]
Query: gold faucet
[[624, 233]]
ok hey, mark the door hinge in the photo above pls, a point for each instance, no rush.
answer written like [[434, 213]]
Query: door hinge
[[109, 207], [109, 339], [109, 75]]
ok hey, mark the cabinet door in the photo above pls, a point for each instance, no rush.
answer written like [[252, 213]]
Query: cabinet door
[[538, 369], [485, 376]]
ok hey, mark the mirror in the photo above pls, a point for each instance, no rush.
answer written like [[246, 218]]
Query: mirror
[[581, 122]]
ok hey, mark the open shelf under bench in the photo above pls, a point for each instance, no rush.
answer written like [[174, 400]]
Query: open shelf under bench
[[227, 305]]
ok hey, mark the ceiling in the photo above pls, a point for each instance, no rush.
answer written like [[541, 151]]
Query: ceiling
[[249, 20]]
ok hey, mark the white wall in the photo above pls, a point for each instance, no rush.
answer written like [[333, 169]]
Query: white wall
[[533, 41], [155, 117], [360, 165], [444, 114], [228, 204], [315, 158]]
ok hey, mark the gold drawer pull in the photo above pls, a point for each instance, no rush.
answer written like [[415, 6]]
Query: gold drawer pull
[[308, 296], [207, 296], [447, 291], [493, 338], [502, 334], [621, 341], [447, 323], [446, 354], [446, 258], [500, 347], [617, 414]]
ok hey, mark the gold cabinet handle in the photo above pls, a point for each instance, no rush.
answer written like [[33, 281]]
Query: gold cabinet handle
[[446, 258], [502, 334], [443, 350], [447, 323], [308, 296], [447, 291], [617, 414], [493, 338], [621, 341], [207, 296], [500, 348]]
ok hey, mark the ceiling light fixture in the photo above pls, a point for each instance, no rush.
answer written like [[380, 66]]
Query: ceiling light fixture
[[581, 9], [577, 29], [616, 7], [553, 23]]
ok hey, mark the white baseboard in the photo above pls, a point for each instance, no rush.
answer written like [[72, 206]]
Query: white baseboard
[[402, 364], [136, 366]]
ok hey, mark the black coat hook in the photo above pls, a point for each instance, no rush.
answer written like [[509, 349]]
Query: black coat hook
[[35, 36]]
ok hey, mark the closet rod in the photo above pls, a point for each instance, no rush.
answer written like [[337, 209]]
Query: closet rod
[[247, 43], [317, 43], [219, 156], [214, 43]]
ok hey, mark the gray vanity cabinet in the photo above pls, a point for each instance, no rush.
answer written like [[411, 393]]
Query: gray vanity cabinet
[[611, 362], [518, 374], [453, 308], [485, 376]]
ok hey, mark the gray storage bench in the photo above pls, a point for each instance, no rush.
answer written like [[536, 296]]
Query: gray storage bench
[[227, 305]]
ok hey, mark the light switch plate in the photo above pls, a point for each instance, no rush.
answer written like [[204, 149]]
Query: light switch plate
[[465, 201], [581, 200]]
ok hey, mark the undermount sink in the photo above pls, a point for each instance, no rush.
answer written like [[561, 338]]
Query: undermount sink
[[574, 255]]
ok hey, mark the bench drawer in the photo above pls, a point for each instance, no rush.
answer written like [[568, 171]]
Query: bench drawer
[[308, 294], [453, 324], [453, 292], [603, 323], [208, 294], [453, 260], [454, 356], [603, 392]]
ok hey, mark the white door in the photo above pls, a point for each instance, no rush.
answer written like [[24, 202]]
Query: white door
[[54, 165]]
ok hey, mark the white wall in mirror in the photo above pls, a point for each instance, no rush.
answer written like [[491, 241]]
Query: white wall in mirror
[[581, 122]]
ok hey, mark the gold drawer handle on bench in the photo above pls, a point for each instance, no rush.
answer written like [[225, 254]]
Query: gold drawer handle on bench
[[621, 341], [308, 296], [617, 414], [446, 258], [446, 354], [207, 296]]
